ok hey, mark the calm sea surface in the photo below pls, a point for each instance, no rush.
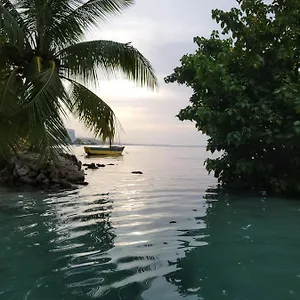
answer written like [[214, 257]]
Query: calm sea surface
[[161, 235]]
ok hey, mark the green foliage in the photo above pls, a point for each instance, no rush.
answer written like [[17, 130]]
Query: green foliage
[[92, 111], [42, 52], [246, 95]]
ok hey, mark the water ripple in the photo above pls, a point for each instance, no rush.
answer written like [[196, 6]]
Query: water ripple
[[156, 236]]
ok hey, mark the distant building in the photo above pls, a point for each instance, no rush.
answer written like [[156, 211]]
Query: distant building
[[72, 135]]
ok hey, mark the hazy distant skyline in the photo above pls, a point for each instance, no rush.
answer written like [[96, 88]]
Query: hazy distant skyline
[[163, 31]]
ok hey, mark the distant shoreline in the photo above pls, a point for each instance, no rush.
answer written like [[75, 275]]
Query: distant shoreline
[[152, 145], [166, 145]]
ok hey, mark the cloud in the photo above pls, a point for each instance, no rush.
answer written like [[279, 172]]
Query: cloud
[[163, 31]]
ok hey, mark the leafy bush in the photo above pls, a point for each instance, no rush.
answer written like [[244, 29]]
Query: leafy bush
[[246, 95]]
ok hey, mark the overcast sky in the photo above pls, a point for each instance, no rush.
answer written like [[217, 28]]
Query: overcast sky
[[163, 31]]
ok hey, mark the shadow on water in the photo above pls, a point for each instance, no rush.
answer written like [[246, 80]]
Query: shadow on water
[[250, 251]]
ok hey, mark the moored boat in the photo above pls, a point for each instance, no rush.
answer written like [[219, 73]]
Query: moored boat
[[98, 150]]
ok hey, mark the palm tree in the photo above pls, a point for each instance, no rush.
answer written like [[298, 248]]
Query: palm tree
[[45, 64]]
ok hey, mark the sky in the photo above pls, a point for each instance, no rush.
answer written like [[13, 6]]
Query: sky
[[163, 31]]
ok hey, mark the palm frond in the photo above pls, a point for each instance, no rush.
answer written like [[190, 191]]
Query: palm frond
[[42, 102], [9, 136], [48, 138], [69, 28], [44, 91], [92, 11], [41, 15], [93, 112], [8, 93], [9, 126], [33, 12], [37, 50], [82, 61], [12, 27], [11, 55]]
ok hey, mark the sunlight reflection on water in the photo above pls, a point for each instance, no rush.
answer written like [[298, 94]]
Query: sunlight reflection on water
[[160, 235]]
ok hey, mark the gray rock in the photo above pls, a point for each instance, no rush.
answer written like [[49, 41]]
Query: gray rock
[[101, 166], [22, 170], [26, 179], [69, 158], [53, 171], [70, 169], [32, 173], [75, 177], [136, 172], [15, 173], [13, 161], [33, 165], [41, 178], [55, 180], [65, 184], [62, 172], [29, 169], [92, 166], [44, 171], [46, 182], [55, 186], [83, 183]]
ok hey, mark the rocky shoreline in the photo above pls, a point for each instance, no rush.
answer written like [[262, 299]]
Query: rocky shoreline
[[27, 169], [67, 173]]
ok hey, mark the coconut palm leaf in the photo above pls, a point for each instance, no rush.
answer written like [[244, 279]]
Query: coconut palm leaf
[[38, 15], [48, 138], [92, 11], [93, 111], [82, 61], [72, 25], [8, 97], [11, 55], [9, 141], [9, 127], [40, 47], [17, 15], [12, 28], [34, 12], [45, 92], [42, 101]]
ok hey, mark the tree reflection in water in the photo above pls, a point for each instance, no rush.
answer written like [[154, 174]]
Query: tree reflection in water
[[250, 251]]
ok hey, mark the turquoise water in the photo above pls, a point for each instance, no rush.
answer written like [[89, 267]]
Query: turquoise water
[[161, 235]]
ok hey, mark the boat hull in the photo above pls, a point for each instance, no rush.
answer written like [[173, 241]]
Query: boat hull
[[108, 151]]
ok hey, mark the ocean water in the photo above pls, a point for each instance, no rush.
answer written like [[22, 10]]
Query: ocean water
[[166, 234]]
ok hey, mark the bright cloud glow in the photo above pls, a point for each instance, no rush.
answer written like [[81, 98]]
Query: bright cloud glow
[[163, 31]]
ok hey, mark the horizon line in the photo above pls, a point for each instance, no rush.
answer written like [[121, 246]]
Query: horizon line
[[152, 144]]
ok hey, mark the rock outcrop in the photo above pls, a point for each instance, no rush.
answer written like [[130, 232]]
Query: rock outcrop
[[28, 169], [137, 172], [93, 166]]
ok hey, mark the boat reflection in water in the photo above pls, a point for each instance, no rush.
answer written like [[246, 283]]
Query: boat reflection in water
[[102, 150]]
